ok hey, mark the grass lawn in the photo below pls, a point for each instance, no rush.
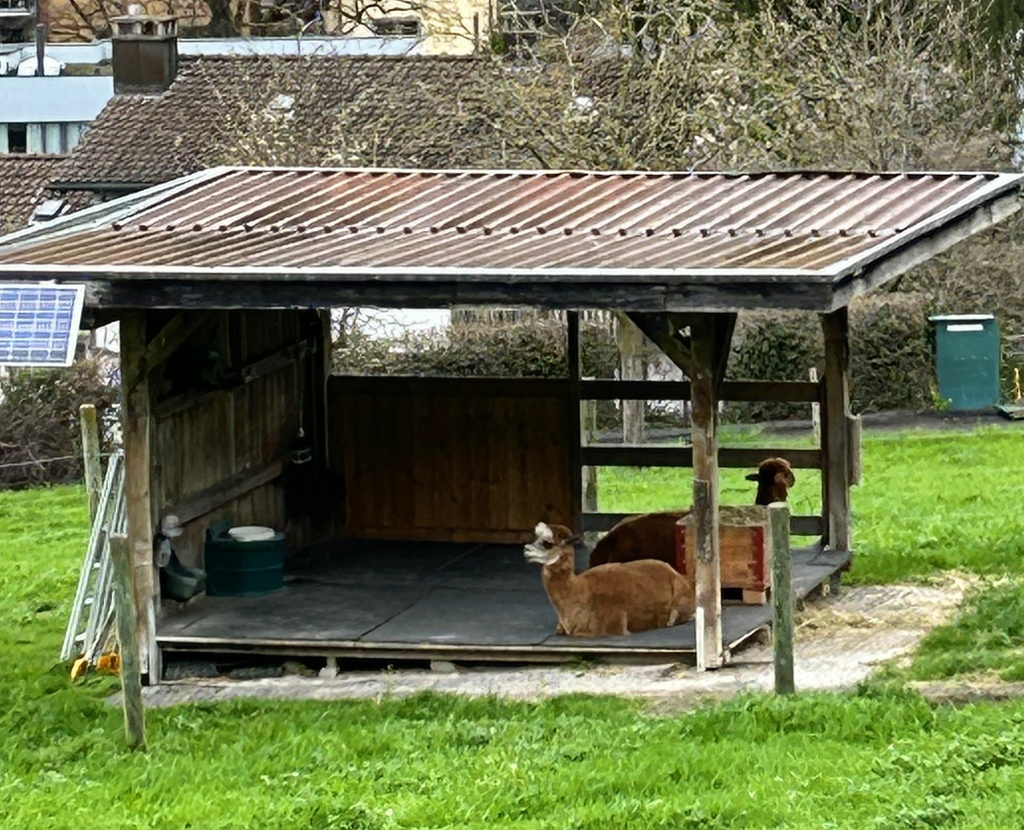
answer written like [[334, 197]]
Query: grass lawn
[[882, 758]]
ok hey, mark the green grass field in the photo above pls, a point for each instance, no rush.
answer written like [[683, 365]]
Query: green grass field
[[881, 758]]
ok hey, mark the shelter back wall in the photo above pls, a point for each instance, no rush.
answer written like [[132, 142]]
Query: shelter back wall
[[449, 460]]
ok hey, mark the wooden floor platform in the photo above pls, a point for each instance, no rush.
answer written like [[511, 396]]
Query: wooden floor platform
[[428, 601]]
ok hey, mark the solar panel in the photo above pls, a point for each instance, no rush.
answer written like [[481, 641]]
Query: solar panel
[[39, 323]]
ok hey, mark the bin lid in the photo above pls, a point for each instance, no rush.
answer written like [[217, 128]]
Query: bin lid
[[961, 318], [252, 533]]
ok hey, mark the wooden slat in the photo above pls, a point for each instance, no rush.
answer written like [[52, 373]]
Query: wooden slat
[[283, 359], [226, 491], [731, 457], [599, 522], [792, 391], [450, 387]]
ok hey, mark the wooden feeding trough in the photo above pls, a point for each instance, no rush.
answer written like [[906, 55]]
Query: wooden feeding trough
[[744, 552]]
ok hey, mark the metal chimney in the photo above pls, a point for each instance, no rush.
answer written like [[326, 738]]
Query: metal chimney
[[145, 52]]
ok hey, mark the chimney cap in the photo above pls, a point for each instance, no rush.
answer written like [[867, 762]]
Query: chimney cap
[[134, 26]]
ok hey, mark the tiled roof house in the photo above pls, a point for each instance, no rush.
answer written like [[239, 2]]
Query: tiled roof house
[[23, 180], [321, 111]]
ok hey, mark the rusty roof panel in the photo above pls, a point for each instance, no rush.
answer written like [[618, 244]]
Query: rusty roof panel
[[785, 224]]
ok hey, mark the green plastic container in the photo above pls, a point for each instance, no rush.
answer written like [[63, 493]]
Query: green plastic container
[[242, 569], [967, 360]]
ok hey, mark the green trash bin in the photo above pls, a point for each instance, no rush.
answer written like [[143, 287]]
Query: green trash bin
[[967, 360]]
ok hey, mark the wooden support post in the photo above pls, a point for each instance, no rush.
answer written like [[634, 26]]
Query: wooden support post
[[126, 619], [782, 597], [630, 341], [836, 475], [572, 319], [137, 428], [588, 432], [815, 410], [702, 355], [708, 574], [91, 457]]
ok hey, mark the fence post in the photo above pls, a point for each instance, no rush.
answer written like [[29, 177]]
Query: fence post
[[815, 410], [91, 456], [782, 598], [131, 674]]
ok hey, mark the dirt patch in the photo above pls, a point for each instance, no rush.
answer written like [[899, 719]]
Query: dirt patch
[[840, 640]]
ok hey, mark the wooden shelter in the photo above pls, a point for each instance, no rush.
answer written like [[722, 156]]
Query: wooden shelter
[[222, 280]]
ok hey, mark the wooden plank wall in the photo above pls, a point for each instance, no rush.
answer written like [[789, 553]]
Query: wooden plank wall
[[210, 443], [456, 460]]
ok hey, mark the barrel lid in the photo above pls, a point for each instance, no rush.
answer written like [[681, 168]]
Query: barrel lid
[[252, 533]]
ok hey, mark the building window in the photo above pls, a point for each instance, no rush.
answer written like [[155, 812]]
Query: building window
[[395, 26], [17, 138]]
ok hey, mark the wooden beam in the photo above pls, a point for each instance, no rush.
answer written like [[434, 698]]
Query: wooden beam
[[127, 623], [572, 321], [450, 387], [665, 331], [923, 248], [248, 373], [704, 419], [596, 522], [794, 391], [782, 598], [667, 456], [226, 491], [724, 326], [175, 333], [137, 437], [661, 297], [836, 438]]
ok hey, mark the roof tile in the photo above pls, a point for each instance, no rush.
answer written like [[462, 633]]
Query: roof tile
[[392, 112]]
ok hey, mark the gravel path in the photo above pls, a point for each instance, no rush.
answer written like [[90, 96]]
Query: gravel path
[[840, 641]]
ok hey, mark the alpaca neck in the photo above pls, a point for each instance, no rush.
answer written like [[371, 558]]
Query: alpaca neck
[[560, 576]]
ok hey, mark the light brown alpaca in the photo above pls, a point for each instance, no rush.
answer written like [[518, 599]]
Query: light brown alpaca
[[610, 599], [774, 477]]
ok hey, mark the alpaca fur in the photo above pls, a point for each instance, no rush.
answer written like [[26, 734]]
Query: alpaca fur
[[611, 599], [653, 535], [650, 536], [774, 477]]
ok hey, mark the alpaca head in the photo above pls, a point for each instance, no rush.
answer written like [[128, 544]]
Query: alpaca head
[[774, 477], [550, 541]]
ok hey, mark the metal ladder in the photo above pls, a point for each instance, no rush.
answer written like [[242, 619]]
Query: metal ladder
[[94, 599]]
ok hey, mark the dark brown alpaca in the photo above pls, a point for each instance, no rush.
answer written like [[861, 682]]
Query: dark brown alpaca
[[774, 477]]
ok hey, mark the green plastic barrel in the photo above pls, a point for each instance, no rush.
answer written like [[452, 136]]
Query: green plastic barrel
[[242, 569], [967, 360]]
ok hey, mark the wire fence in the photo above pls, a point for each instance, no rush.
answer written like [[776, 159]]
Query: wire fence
[[39, 462]]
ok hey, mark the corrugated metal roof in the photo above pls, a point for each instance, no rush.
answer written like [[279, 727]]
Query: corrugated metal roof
[[708, 225]]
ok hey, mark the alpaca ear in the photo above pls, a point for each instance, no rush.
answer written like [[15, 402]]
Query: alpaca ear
[[751, 476], [575, 539], [785, 478]]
